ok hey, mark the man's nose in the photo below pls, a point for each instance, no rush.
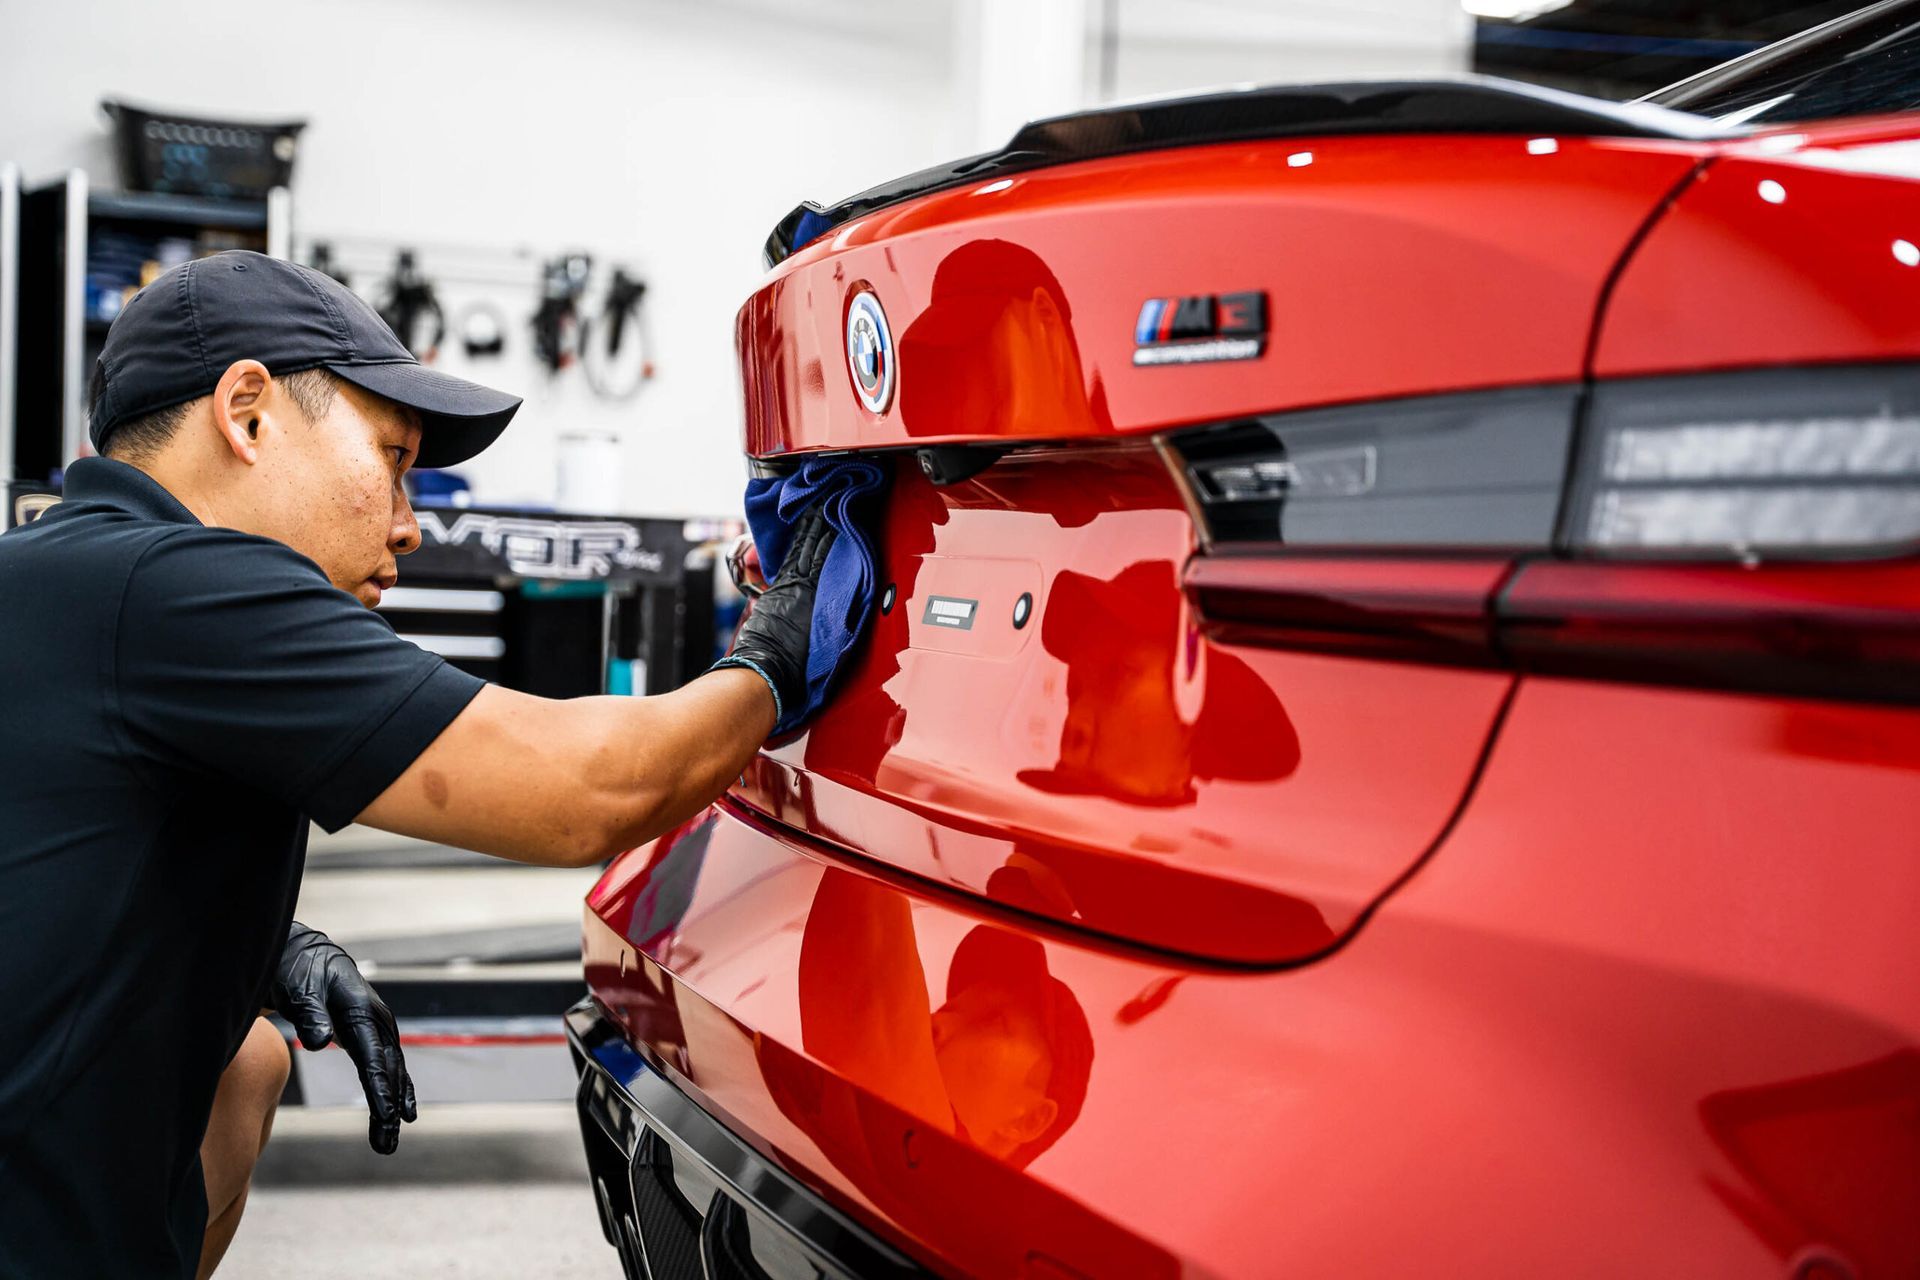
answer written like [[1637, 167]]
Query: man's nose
[[405, 539]]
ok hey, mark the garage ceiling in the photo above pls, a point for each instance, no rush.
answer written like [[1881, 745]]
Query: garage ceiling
[[1625, 48]]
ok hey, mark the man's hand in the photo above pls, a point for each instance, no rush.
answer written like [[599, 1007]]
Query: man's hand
[[774, 639], [319, 990]]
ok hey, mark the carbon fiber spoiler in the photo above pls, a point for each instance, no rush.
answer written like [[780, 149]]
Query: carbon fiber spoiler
[[1453, 104]]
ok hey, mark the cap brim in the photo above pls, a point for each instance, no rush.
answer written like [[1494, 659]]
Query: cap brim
[[457, 418]]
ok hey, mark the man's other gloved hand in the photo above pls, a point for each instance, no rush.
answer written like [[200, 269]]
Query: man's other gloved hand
[[319, 990], [773, 639]]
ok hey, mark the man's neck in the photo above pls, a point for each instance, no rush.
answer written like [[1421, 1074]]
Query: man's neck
[[171, 477]]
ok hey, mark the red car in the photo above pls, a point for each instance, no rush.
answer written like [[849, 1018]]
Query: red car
[[1390, 742]]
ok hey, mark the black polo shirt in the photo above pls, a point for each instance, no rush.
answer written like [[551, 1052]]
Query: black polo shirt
[[178, 700]]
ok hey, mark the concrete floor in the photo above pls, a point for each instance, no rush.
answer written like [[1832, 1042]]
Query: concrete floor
[[394, 901], [475, 1192]]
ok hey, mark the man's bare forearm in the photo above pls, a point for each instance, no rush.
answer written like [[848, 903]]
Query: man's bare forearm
[[569, 782], [693, 744]]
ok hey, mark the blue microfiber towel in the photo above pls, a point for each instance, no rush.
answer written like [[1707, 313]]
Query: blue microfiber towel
[[848, 489]]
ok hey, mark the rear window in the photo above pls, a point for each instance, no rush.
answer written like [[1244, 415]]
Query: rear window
[[1867, 63]]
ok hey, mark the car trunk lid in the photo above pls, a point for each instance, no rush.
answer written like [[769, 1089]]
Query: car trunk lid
[[1040, 715]]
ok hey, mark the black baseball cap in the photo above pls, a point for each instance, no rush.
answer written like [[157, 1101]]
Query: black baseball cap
[[176, 337]]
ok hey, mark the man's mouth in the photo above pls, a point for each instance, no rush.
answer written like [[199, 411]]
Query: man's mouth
[[381, 584]]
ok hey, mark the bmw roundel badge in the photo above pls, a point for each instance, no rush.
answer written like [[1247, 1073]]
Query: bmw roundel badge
[[870, 351]]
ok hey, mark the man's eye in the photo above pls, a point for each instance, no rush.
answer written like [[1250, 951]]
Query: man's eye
[[400, 454]]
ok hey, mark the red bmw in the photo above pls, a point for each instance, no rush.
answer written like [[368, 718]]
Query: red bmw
[[1390, 741]]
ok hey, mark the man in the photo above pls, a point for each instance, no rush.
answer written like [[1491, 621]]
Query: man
[[190, 673]]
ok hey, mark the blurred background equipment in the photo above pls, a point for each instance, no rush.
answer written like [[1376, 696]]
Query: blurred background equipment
[[584, 319], [82, 253], [428, 487], [614, 373], [187, 155], [557, 321], [412, 310], [483, 330], [9, 322], [322, 261]]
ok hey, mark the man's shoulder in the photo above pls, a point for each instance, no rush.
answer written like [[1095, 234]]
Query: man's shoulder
[[195, 575], [83, 545], [188, 548], [102, 546]]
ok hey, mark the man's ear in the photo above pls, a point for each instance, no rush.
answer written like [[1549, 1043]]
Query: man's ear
[[240, 407]]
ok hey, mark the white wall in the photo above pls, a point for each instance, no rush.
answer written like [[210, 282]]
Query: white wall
[[1018, 60], [1014, 61], [670, 136], [1165, 47]]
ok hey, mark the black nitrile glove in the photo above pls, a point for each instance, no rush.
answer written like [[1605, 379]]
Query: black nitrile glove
[[319, 990], [773, 639]]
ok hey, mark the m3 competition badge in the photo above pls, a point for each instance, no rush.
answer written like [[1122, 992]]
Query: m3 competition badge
[[870, 351], [1200, 330]]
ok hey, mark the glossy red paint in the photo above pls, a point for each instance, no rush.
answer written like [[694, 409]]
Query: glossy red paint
[[1251, 914], [1465, 262], [1110, 763], [1787, 250], [1663, 1024]]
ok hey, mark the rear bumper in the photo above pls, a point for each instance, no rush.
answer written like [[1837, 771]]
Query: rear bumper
[[649, 1146], [1637, 984]]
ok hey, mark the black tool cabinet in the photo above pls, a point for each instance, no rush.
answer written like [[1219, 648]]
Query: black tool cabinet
[[69, 251], [558, 604]]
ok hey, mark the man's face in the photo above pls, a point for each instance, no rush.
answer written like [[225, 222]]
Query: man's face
[[338, 498]]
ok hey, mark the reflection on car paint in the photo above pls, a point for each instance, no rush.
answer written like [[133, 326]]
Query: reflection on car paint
[[1002, 1061], [806, 999], [1111, 764], [994, 347], [1132, 657], [1832, 1158]]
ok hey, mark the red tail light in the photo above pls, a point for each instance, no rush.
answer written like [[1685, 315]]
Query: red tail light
[[1802, 484], [1835, 630], [1419, 608], [1771, 519]]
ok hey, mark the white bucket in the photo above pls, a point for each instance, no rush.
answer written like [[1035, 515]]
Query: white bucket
[[589, 473]]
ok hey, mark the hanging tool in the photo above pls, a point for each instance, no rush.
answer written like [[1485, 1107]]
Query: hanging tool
[[556, 324], [324, 264], [406, 300], [483, 330], [623, 324]]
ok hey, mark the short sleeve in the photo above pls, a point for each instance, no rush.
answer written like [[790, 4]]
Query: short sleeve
[[235, 657]]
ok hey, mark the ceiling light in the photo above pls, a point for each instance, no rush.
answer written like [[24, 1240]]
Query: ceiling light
[[1512, 10]]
